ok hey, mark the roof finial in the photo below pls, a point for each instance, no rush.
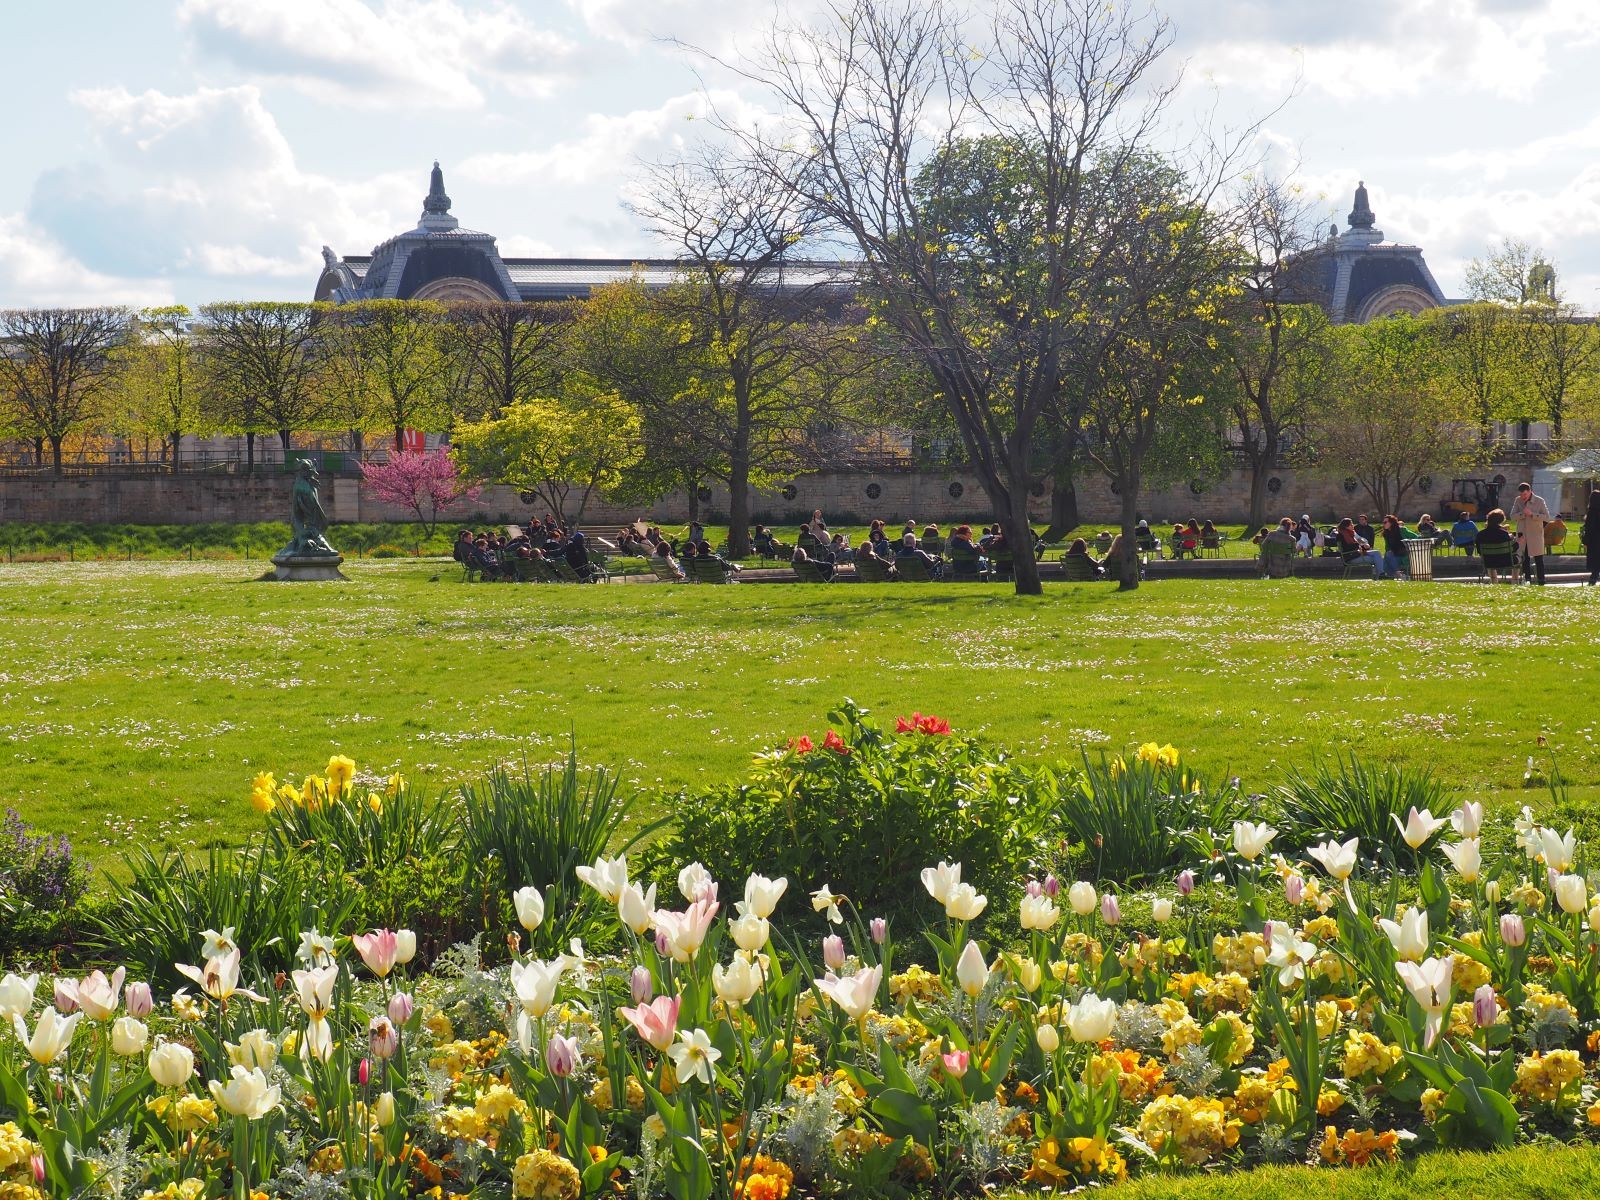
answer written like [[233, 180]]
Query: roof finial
[[1361, 216], [436, 201]]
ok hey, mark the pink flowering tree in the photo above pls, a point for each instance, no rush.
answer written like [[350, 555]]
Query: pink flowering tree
[[426, 482]]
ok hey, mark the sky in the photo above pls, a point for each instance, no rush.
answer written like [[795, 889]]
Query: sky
[[165, 151]]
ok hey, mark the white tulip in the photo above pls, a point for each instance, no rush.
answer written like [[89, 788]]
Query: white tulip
[[750, 932], [1466, 858], [964, 903], [255, 1049], [1082, 897], [1250, 838], [1048, 1038], [314, 990], [530, 907], [1429, 985], [318, 1040], [405, 946], [128, 1037], [694, 881], [246, 1095], [214, 944], [1290, 953], [1418, 827], [1409, 935], [854, 994], [972, 973], [1337, 859], [1572, 893], [736, 983], [383, 1110], [534, 983], [98, 996], [1559, 852], [608, 876], [761, 896], [171, 1064], [16, 995], [316, 949], [1468, 819], [1161, 910], [219, 978], [1091, 1019], [942, 880], [636, 908], [1038, 912], [51, 1036]]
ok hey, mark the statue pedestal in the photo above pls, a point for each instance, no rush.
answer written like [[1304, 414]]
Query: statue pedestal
[[307, 568]]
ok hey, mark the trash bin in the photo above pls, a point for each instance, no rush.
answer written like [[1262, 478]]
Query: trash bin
[[1420, 551]]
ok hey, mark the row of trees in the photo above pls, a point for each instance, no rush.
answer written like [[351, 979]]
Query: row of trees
[[1034, 276]]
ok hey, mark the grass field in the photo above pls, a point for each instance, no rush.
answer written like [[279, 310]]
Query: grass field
[[137, 699]]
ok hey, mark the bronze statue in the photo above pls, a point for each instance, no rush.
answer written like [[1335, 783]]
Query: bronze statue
[[308, 556]]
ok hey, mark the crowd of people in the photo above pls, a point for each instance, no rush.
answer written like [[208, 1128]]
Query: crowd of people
[[1507, 541], [496, 556]]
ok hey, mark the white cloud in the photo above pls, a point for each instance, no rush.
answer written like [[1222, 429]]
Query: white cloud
[[36, 270], [205, 185], [423, 53]]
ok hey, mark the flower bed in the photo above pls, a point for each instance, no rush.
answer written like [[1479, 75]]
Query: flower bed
[[1431, 994]]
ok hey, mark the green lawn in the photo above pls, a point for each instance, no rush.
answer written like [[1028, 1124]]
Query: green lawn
[[137, 699]]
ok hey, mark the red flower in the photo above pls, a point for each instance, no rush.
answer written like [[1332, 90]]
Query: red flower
[[917, 723], [801, 744], [834, 742]]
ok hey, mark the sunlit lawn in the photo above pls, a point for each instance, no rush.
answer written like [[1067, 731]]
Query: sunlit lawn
[[137, 699]]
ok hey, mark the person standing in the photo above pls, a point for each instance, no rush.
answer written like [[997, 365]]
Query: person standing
[[1531, 514], [1591, 538]]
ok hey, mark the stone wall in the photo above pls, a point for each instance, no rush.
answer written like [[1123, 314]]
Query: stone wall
[[844, 497]]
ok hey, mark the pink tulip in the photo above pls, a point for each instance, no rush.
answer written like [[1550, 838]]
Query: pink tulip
[[36, 1162], [377, 950], [139, 1001], [1185, 882], [66, 997], [401, 1006], [1052, 886], [1294, 889], [955, 1063], [663, 943], [364, 1072], [1035, 888], [1110, 910], [383, 1039], [1485, 1008], [833, 952], [562, 1055], [880, 930], [641, 985], [655, 1022], [1512, 930]]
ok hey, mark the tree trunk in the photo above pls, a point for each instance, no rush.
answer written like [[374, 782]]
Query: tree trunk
[[1260, 469], [738, 506], [1063, 507], [694, 500], [55, 452], [249, 454], [1019, 536], [283, 438], [399, 438], [176, 443], [38, 452], [1130, 543]]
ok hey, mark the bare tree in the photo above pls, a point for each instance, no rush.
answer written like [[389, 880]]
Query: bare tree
[[878, 96], [57, 366], [751, 314], [505, 353], [1272, 329]]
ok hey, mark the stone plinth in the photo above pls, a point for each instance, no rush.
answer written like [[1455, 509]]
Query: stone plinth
[[307, 568]]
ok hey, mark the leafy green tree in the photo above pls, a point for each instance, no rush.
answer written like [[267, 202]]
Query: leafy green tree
[[564, 450], [259, 363], [381, 360], [1477, 357], [1392, 419]]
